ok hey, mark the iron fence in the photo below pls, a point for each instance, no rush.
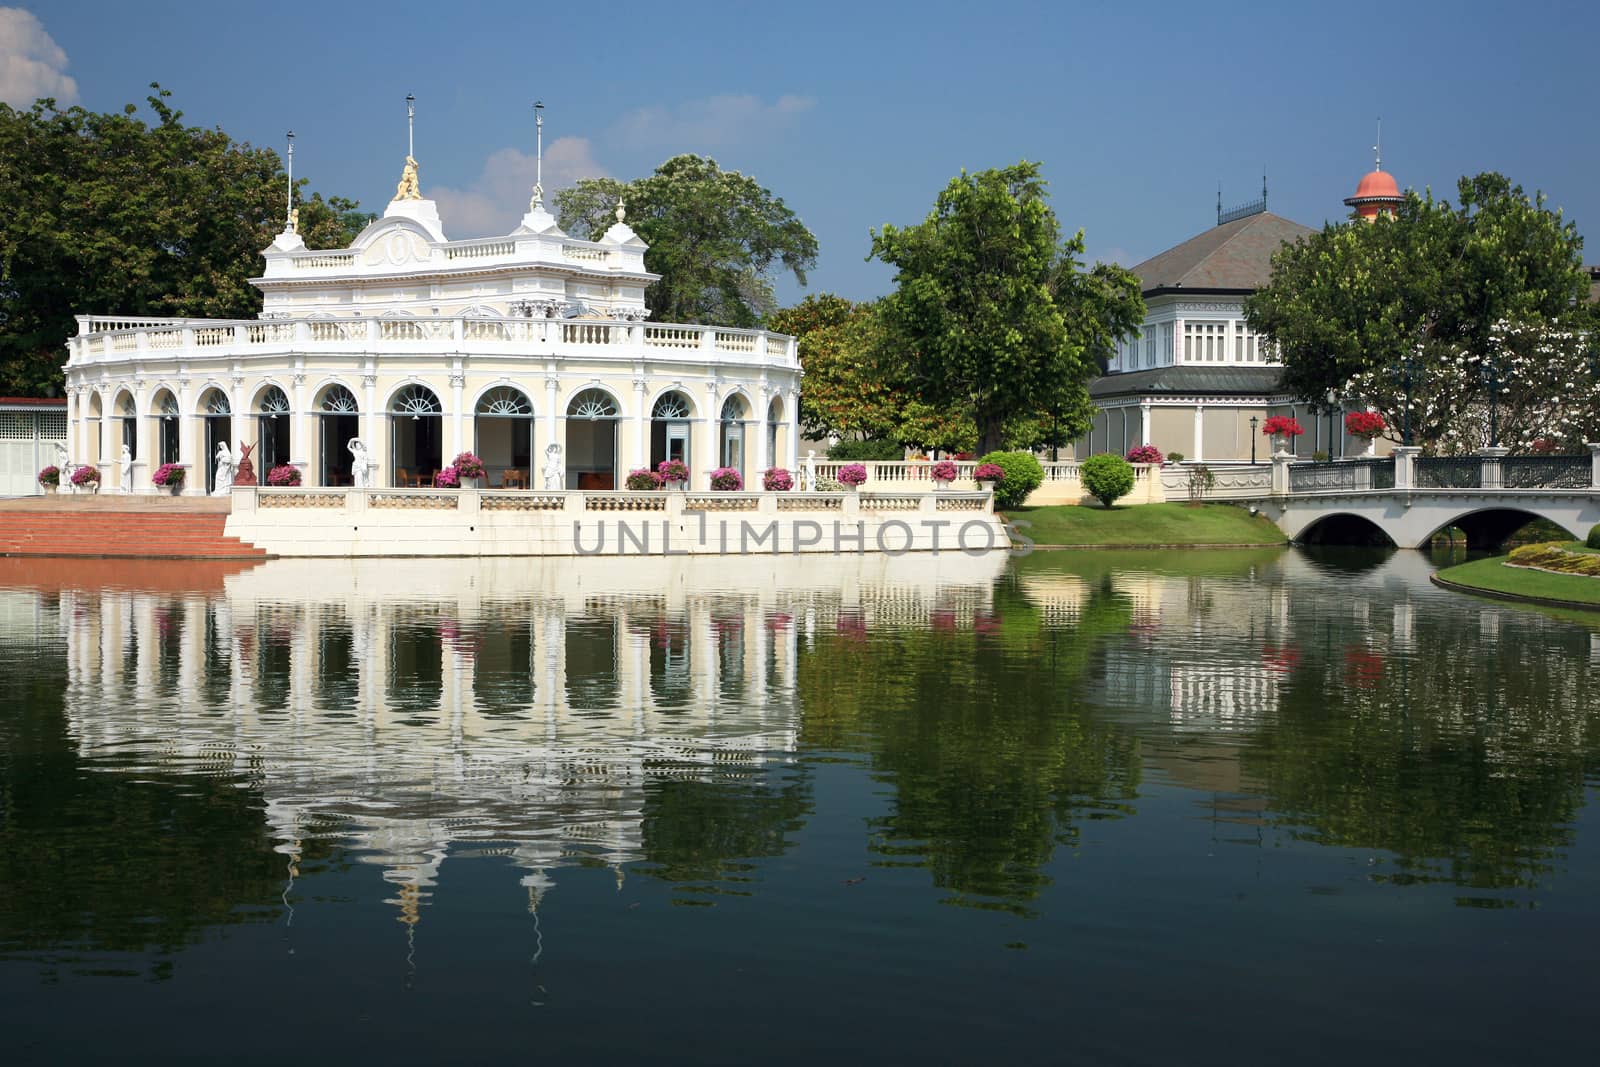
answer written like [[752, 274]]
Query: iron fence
[[1546, 472], [1449, 472]]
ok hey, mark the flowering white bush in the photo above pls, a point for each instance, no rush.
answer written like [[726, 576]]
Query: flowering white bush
[[1548, 389]]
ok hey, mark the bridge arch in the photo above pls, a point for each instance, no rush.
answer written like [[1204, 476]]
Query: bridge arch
[[1488, 528], [1344, 528]]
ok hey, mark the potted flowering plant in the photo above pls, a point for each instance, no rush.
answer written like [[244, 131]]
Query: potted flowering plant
[[87, 478], [50, 478], [169, 475], [469, 468], [852, 476], [1280, 426], [449, 478], [642, 479], [986, 474], [1365, 424], [943, 473], [1145, 454], [674, 473], [726, 480], [777, 480], [283, 476]]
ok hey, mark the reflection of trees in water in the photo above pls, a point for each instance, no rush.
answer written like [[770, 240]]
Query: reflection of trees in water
[[696, 830], [992, 763], [107, 863], [1463, 755]]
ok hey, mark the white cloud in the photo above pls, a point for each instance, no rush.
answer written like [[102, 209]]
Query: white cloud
[[31, 63], [709, 122], [497, 198]]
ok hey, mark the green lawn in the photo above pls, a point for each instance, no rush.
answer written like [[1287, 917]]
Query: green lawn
[[1147, 525], [1494, 576]]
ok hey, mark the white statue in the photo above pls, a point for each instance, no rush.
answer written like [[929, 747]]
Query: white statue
[[555, 472], [62, 462], [811, 470], [360, 469], [126, 469], [224, 471]]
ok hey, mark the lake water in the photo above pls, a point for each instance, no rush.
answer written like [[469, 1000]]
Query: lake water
[[1206, 807]]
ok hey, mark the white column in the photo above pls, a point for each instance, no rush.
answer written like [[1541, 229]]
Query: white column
[[1144, 421], [299, 419], [763, 461], [1199, 431], [458, 394], [552, 431], [369, 409], [1177, 341], [706, 454], [641, 423], [791, 410]]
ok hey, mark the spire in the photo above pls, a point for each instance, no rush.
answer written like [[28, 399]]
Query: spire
[[289, 218], [538, 157], [1377, 149], [408, 187]]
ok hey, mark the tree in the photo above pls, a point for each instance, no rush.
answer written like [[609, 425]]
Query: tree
[[991, 310], [1430, 283], [851, 389], [715, 238], [106, 214]]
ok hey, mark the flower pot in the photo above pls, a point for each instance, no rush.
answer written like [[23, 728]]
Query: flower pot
[[940, 486], [469, 482], [986, 486], [175, 488], [676, 486]]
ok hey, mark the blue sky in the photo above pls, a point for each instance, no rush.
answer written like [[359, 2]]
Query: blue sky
[[857, 114]]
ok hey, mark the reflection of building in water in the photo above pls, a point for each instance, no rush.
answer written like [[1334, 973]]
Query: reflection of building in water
[[1227, 676], [411, 707]]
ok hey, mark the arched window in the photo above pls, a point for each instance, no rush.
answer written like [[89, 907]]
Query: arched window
[[733, 409], [274, 402], [671, 406], [416, 400], [339, 401], [505, 400], [217, 403], [592, 404]]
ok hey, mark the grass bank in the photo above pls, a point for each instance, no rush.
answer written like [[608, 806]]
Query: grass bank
[[1494, 578], [1146, 526]]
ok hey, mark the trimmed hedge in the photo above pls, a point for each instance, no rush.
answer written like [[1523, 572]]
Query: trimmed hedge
[[1106, 477], [1552, 557], [1593, 540], [1023, 476], [886, 451]]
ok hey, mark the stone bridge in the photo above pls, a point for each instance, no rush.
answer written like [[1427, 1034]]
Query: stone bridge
[[1407, 499]]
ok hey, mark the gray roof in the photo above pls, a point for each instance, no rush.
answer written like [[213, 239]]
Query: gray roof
[[1234, 256], [1594, 284], [1190, 381]]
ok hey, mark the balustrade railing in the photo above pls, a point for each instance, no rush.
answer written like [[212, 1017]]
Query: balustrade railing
[[171, 335], [1343, 475], [1546, 472], [1449, 472]]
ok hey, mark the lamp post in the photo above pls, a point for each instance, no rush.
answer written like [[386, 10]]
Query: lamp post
[[1254, 422], [1491, 379]]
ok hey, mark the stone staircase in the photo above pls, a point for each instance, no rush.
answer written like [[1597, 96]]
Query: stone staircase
[[108, 529]]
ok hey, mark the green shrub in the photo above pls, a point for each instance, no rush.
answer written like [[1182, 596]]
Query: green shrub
[[1593, 540], [1023, 476], [1174, 457], [854, 451], [1106, 477]]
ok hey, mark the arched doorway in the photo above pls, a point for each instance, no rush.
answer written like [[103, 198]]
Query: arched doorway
[[503, 432], [592, 440], [128, 416], [164, 409], [272, 437], [339, 420], [416, 436], [96, 413], [774, 422], [669, 428], [218, 416], [730, 447]]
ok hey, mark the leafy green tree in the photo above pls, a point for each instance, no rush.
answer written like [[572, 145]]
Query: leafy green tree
[[1107, 477], [991, 309], [105, 213], [1424, 286], [715, 236], [851, 389]]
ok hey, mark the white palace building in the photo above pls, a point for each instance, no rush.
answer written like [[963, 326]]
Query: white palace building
[[421, 348]]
